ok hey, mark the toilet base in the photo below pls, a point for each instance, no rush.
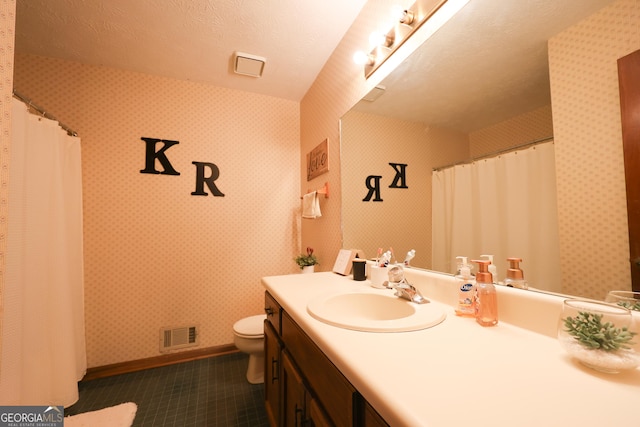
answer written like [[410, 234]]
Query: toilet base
[[255, 370], [248, 336]]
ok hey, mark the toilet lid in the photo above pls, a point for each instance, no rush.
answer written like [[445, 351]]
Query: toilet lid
[[250, 326]]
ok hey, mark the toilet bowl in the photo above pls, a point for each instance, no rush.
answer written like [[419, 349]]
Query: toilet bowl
[[248, 336]]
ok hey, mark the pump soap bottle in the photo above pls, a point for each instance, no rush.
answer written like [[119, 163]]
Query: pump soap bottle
[[486, 297], [492, 268], [515, 276], [466, 289]]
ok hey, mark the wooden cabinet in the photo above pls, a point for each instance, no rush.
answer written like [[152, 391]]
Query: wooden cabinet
[[272, 376], [334, 391], [300, 407], [317, 416], [370, 418], [273, 311], [293, 394], [302, 386]]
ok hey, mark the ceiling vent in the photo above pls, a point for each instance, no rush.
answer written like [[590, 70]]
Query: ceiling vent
[[375, 93], [248, 65]]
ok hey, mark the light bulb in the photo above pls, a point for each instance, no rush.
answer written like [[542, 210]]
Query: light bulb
[[397, 12], [360, 57], [376, 38]]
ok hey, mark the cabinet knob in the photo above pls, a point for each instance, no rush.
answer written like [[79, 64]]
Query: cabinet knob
[[269, 311]]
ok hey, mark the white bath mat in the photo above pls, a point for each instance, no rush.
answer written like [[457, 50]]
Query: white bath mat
[[116, 416]]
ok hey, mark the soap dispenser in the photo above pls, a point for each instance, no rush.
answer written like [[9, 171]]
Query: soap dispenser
[[486, 303], [492, 268], [466, 289], [515, 276]]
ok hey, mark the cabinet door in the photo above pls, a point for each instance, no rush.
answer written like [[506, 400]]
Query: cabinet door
[[293, 394], [317, 417], [272, 375], [334, 392]]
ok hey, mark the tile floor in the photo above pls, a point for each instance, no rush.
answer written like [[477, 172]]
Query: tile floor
[[202, 393]]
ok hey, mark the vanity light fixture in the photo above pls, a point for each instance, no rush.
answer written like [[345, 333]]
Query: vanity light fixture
[[362, 58], [407, 17], [380, 39], [407, 22]]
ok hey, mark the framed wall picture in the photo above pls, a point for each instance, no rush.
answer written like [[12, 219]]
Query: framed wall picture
[[318, 160], [343, 261]]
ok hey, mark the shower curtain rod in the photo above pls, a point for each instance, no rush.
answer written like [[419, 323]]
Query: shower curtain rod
[[40, 110], [496, 153]]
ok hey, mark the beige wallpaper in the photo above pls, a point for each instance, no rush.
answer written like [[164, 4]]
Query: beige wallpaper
[[155, 255], [589, 162], [369, 144], [522, 129], [448, 146], [7, 27]]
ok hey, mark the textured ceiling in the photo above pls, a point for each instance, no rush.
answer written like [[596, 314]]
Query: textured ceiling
[[487, 64], [192, 39]]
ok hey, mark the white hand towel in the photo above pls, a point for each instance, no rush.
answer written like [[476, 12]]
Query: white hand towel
[[317, 206], [116, 416], [311, 205]]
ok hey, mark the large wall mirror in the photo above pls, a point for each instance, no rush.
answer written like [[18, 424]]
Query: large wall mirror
[[479, 85]]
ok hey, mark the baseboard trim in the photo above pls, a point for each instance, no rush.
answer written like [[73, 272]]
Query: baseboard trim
[[157, 361]]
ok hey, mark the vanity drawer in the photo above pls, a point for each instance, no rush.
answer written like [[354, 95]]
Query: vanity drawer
[[273, 310], [333, 390]]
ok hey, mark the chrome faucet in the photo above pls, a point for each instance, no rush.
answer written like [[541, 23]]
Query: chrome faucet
[[403, 288], [409, 292]]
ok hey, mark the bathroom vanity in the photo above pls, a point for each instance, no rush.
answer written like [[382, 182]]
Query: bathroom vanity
[[302, 386], [453, 373]]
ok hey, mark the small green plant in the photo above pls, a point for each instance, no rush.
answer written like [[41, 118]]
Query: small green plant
[[306, 260], [589, 330], [630, 305]]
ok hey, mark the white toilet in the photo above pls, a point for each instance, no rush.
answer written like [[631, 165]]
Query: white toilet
[[248, 336]]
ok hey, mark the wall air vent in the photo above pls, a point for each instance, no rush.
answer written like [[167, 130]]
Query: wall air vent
[[374, 93], [178, 337]]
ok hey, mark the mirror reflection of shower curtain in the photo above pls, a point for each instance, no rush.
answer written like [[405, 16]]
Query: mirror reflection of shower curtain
[[43, 341], [504, 206]]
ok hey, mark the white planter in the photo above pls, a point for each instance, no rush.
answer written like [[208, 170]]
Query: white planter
[[308, 269]]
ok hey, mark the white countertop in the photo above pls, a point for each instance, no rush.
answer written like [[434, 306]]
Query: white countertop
[[460, 373]]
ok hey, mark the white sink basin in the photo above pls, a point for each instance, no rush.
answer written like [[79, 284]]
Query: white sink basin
[[374, 312]]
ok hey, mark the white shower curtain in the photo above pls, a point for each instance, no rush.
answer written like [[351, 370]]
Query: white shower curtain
[[43, 341], [503, 206]]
